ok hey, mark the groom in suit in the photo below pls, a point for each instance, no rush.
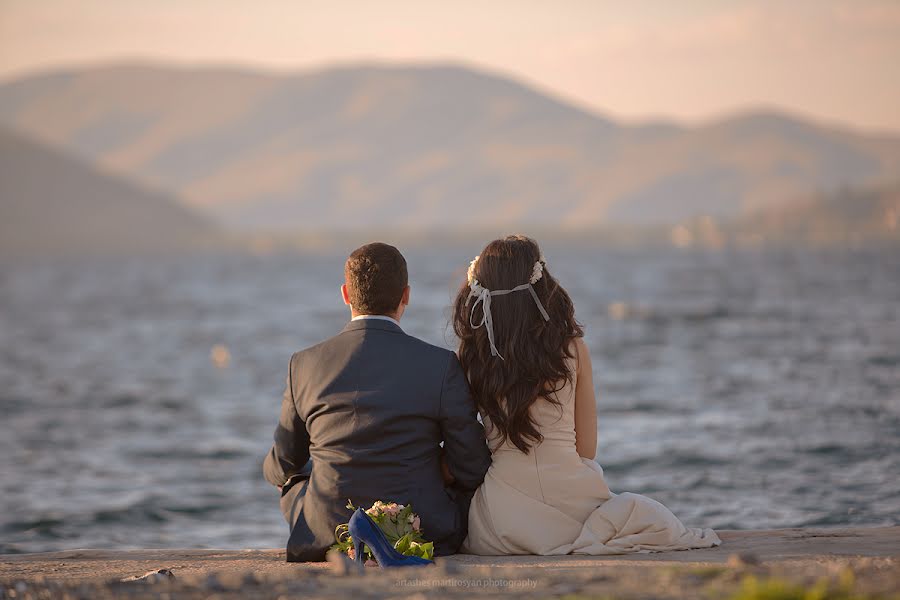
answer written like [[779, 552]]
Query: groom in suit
[[363, 417]]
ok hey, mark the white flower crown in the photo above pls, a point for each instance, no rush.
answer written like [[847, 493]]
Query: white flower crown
[[536, 273]]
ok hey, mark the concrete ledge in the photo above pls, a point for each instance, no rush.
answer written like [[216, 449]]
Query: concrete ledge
[[809, 552]]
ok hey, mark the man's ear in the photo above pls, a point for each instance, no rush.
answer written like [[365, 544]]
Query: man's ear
[[345, 294], [404, 299]]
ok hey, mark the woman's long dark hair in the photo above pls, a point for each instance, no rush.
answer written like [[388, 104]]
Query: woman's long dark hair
[[535, 350]]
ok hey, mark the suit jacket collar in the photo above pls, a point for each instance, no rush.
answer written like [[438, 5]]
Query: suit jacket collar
[[380, 324]]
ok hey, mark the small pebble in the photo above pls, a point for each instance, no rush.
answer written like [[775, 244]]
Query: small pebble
[[337, 562], [447, 567], [341, 564], [744, 559], [213, 584], [233, 580]]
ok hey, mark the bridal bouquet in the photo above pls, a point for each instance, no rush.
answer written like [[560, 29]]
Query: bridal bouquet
[[401, 526]]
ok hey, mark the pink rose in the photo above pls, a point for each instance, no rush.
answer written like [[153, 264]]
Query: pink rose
[[392, 509], [416, 523]]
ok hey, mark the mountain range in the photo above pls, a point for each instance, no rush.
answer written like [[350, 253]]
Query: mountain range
[[54, 205], [418, 147]]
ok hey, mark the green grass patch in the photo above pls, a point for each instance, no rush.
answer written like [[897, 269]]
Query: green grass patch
[[774, 588]]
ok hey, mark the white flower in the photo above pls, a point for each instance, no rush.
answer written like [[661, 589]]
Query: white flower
[[537, 272], [470, 274]]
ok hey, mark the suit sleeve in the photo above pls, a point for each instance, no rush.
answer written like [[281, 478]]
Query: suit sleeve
[[466, 451], [290, 451]]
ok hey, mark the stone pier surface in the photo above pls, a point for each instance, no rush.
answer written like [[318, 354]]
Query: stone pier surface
[[859, 560]]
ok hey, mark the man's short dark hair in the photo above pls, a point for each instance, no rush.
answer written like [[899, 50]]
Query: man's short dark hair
[[376, 277]]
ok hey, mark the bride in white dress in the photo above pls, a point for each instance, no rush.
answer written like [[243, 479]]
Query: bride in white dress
[[530, 374]]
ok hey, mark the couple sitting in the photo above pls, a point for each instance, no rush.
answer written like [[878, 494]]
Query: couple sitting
[[365, 413]]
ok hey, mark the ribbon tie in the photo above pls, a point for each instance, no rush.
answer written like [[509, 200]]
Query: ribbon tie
[[483, 295]]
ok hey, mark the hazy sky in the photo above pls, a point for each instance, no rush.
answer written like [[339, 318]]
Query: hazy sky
[[837, 60]]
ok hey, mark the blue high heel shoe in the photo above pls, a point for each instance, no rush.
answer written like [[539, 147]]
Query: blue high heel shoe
[[364, 530]]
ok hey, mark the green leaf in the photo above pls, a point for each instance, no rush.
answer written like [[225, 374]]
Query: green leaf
[[390, 530], [403, 515], [402, 545], [427, 550]]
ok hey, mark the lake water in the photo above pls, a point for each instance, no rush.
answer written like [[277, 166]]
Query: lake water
[[741, 389]]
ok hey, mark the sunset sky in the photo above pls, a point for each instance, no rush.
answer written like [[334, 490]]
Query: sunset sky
[[689, 60]]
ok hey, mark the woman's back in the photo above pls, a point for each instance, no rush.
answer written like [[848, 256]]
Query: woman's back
[[552, 470], [556, 423], [551, 477], [552, 501]]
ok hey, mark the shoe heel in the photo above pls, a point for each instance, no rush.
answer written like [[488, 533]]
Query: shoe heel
[[358, 551]]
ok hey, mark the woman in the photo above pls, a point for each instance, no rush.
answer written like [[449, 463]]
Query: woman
[[530, 374]]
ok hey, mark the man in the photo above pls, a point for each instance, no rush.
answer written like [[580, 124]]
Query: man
[[363, 417]]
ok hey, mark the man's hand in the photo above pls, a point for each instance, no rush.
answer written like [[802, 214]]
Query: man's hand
[[445, 471]]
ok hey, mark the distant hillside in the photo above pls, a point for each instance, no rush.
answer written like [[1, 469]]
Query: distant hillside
[[431, 146], [847, 215], [53, 205]]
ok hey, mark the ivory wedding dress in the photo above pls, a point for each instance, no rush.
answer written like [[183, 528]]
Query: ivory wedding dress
[[551, 501]]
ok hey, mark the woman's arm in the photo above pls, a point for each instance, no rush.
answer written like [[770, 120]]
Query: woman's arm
[[585, 404]]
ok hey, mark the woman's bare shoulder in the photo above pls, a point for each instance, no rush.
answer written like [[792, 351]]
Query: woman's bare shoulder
[[578, 348], [576, 351]]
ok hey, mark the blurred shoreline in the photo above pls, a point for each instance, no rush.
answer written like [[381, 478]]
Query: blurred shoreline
[[851, 219]]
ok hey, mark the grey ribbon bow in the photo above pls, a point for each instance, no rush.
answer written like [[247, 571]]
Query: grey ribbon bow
[[483, 296]]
